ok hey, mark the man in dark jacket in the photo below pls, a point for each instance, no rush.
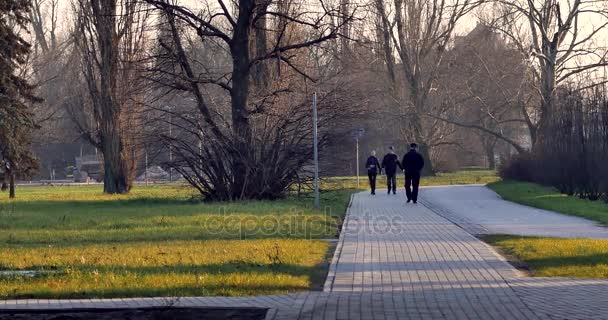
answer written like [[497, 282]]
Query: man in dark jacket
[[412, 165], [390, 162], [372, 166]]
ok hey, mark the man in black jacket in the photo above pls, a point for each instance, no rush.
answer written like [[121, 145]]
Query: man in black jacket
[[390, 162], [412, 165], [372, 166]]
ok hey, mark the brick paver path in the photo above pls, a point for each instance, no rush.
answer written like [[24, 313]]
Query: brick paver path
[[398, 261]]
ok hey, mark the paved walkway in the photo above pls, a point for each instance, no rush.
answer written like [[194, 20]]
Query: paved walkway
[[480, 210], [398, 261]]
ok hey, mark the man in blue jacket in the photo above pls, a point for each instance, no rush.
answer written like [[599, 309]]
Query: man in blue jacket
[[390, 162], [412, 166]]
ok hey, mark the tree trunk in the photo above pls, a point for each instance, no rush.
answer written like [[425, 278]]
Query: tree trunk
[[490, 158], [261, 72], [116, 170], [344, 41], [418, 98], [11, 177], [423, 148], [239, 95], [543, 123], [547, 90], [385, 36], [429, 169]]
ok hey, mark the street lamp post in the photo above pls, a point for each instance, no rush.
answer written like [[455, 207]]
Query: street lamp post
[[357, 134], [146, 172], [169, 109], [170, 149], [357, 157], [315, 148]]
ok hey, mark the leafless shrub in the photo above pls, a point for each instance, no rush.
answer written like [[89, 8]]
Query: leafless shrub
[[574, 154]]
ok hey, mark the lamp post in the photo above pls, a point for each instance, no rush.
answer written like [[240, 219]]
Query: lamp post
[[315, 148], [146, 172], [358, 134], [169, 110], [170, 149], [357, 157]]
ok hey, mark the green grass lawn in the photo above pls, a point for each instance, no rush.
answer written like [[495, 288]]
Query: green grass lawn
[[548, 198], [550, 257], [157, 241], [440, 179]]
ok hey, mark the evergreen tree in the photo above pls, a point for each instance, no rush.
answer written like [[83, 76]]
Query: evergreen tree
[[16, 119]]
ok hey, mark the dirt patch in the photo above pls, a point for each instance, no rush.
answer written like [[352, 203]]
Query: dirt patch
[[165, 313]]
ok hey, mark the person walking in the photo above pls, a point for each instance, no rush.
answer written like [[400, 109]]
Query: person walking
[[372, 166], [390, 162], [412, 165]]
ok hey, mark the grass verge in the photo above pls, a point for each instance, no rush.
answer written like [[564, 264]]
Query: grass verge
[[156, 241], [440, 179], [548, 198], [552, 257], [173, 268]]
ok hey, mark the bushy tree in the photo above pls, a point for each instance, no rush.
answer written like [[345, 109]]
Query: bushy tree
[[246, 68]]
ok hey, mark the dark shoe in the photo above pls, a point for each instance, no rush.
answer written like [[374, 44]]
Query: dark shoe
[[394, 192], [415, 201], [408, 200]]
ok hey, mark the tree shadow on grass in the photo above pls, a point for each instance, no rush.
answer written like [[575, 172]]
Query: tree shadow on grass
[[316, 274], [575, 261], [210, 269], [171, 291]]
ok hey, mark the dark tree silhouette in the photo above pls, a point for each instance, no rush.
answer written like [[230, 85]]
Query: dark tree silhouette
[[16, 118], [254, 145]]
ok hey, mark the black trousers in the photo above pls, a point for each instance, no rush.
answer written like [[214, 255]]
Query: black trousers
[[372, 180], [412, 181], [391, 182]]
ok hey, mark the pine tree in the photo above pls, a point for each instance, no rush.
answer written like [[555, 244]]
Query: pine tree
[[16, 119]]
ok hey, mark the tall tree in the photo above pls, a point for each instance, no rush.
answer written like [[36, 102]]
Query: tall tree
[[484, 80], [16, 119], [560, 43], [110, 36], [46, 37], [421, 32]]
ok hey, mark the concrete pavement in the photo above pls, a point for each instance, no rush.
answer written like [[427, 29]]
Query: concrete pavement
[[481, 211]]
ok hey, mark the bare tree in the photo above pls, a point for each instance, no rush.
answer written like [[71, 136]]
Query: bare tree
[[50, 62], [421, 32], [560, 39], [384, 39], [44, 23], [256, 146], [484, 81], [110, 35]]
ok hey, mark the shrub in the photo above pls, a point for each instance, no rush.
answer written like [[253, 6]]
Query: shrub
[[573, 153], [518, 167]]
